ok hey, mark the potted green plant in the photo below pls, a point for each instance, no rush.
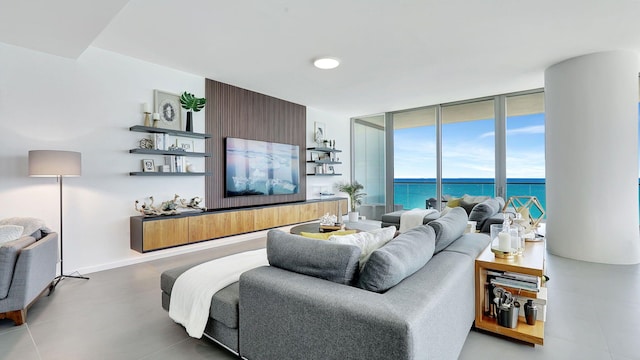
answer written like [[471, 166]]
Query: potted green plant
[[191, 103], [355, 197]]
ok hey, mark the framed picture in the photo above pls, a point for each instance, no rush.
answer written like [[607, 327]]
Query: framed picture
[[168, 106], [186, 145], [148, 165], [319, 133]]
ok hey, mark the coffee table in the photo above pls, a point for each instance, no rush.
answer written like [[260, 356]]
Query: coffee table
[[315, 227]]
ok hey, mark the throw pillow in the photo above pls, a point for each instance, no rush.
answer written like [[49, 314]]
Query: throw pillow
[[398, 259], [474, 199], [30, 224], [467, 206], [449, 228], [368, 242], [10, 232], [453, 202], [321, 259], [327, 235], [484, 210]]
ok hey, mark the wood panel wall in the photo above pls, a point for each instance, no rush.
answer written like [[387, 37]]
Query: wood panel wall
[[235, 112]]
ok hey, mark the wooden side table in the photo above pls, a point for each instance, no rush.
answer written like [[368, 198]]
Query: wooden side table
[[532, 263]]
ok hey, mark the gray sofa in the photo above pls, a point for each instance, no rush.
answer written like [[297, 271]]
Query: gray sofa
[[413, 299], [27, 268], [393, 218], [485, 213]]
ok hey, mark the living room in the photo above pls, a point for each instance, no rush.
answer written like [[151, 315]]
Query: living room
[[84, 94]]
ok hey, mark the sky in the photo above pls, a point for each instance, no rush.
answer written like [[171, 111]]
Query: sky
[[468, 149]]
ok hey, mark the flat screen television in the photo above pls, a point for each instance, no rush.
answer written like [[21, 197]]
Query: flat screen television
[[261, 168]]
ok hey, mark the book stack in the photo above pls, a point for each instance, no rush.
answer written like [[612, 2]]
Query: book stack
[[161, 141], [523, 287], [176, 163], [514, 280]]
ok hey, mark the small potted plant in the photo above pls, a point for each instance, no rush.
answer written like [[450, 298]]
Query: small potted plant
[[355, 196], [191, 103]]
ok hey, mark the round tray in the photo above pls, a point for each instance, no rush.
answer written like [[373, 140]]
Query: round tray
[[504, 254]]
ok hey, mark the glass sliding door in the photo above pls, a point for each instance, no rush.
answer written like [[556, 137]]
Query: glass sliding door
[[468, 149], [368, 162], [525, 147], [414, 157]]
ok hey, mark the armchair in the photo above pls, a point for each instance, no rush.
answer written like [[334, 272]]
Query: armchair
[[27, 269]]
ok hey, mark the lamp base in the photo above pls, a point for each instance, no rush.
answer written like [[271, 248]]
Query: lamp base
[[57, 279]]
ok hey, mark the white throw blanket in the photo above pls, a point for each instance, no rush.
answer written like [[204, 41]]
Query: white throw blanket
[[412, 218], [193, 290]]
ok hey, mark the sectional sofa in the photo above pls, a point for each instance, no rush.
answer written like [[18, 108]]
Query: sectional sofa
[[413, 298], [484, 210]]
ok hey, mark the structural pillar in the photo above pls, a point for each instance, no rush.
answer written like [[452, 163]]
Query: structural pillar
[[591, 139]]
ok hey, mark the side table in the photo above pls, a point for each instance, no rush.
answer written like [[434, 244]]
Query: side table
[[531, 263]]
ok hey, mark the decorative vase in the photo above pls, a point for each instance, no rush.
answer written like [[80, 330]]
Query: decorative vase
[[353, 216], [189, 121], [530, 312]]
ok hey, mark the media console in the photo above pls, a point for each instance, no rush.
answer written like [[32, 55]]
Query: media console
[[161, 232]]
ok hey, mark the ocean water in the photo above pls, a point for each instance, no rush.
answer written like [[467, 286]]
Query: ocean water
[[413, 193]]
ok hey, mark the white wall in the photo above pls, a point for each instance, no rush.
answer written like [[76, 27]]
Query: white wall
[[591, 106], [338, 129], [87, 105]]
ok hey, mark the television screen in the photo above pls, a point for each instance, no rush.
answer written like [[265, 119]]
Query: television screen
[[261, 168]]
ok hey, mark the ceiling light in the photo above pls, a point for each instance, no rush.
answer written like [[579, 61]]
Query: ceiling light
[[326, 63]]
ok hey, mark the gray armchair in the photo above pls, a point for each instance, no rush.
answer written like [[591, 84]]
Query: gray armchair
[[27, 269]]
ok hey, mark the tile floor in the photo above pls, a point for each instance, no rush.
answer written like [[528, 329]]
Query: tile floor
[[593, 313]]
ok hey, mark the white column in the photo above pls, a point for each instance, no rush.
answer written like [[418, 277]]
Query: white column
[[591, 132]]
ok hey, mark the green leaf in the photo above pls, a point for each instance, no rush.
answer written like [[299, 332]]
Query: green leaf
[[192, 103]]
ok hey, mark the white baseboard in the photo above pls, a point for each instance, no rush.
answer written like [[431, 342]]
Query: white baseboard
[[160, 254]]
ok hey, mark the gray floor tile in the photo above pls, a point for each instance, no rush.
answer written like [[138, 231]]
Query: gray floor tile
[[17, 344], [193, 349], [592, 313]]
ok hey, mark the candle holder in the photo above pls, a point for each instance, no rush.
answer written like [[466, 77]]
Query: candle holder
[[156, 118], [147, 119], [501, 244], [146, 109]]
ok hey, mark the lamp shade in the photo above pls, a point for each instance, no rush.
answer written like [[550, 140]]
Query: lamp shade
[[54, 163]]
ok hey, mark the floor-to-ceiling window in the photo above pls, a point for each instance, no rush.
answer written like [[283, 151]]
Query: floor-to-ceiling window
[[368, 150], [468, 149], [414, 154], [525, 147]]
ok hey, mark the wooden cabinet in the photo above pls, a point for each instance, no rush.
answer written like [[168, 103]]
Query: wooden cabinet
[[532, 263], [158, 233], [217, 225], [155, 233]]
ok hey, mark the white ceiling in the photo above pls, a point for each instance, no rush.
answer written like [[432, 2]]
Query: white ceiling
[[396, 54]]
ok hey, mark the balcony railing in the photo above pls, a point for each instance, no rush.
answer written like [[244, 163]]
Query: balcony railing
[[414, 193]]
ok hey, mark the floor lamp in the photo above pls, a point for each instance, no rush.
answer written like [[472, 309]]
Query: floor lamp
[[59, 164]]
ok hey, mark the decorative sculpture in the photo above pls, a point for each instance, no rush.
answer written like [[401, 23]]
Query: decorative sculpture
[[523, 204], [169, 207]]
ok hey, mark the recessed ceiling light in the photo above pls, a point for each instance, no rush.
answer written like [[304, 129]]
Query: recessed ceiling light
[[326, 63]]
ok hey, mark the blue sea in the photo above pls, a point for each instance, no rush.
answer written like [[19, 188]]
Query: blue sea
[[413, 193]]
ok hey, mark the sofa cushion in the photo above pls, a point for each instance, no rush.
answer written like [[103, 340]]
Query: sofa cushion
[[484, 210], [449, 227], [9, 252], [471, 244], [367, 241], [10, 233], [322, 259], [398, 259]]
